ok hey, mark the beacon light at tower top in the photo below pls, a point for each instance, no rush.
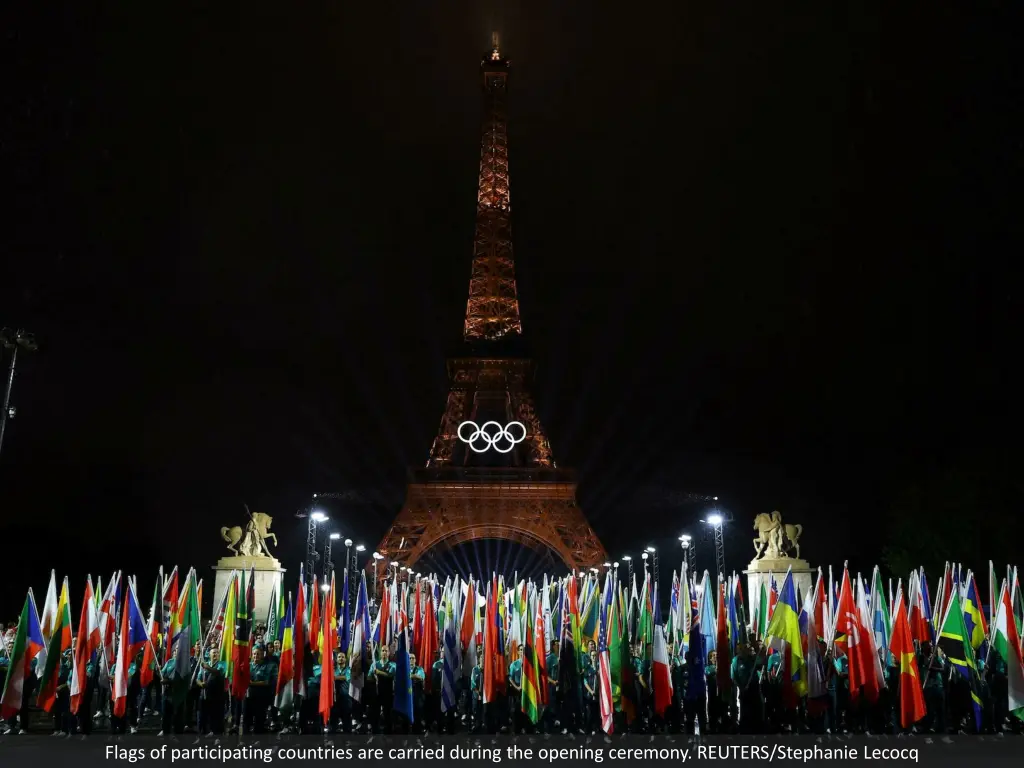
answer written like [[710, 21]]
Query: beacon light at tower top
[[715, 519], [335, 536], [319, 516]]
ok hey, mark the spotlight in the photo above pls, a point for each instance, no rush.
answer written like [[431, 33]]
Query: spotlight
[[335, 536]]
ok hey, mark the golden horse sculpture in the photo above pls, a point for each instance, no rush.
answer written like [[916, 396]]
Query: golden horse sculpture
[[775, 539], [251, 540]]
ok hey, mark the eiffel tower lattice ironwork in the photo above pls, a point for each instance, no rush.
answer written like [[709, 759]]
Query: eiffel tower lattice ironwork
[[513, 492]]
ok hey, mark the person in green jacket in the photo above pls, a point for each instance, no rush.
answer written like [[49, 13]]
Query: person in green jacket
[[476, 689], [211, 681], [384, 672], [515, 691], [342, 699], [173, 718], [745, 674], [419, 678], [260, 695], [550, 721], [934, 666], [311, 704]]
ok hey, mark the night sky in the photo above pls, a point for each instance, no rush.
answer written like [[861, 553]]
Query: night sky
[[765, 251]]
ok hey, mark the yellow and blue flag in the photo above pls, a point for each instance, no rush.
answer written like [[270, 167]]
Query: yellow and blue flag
[[784, 627]]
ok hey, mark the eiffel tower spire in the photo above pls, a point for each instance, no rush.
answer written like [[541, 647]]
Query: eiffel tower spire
[[492, 311]]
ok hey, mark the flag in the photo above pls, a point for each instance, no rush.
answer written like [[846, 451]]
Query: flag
[[87, 643], [881, 621], [428, 638], [450, 657], [1006, 642], [723, 639], [403, 677], [133, 640], [606, 695], [901, 646], [328, 639], [241, 650], [661, 677], [954, 641], [817, 692], [170, 613], [28, 643], [784, 634], [60, 641], [360, 657], [189, 634], [708, 624], [299, 638], [623, 687], [153, 632], [531, 682], [344, 631], [859, 653], [762, 612], [285, 691], [314, 617], [974, 618], [228, 635], [488, 694], [108, 628], [48, 620]]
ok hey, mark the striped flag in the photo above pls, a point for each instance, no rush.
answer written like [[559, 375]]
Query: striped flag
[[88, 642], [531, 680], [28, 642], [450, 657], [286, 665]]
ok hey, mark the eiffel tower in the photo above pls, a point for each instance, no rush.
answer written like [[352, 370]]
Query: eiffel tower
[[492, 487]]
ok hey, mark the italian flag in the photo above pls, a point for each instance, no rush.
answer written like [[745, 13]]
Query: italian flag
[[1006, 642]]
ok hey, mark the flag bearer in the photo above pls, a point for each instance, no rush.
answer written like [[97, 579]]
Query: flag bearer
[[310, 716], [261, 691], [419, 678], [384, 671], [434, 714], [591, 713], [342, 699], [210, 680], [62, 719], [173, 719], [746, 667], [934, 688], [476, 689], [550, 721], [515, 690]]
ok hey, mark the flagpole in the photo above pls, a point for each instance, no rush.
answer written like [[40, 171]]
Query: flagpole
[[213, 625], [149, 640]]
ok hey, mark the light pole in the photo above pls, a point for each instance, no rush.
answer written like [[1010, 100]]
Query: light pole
[[686, 541], [13, 340], [629, 562], [314, 517], [328, 562], [715, 520], [654, 560]]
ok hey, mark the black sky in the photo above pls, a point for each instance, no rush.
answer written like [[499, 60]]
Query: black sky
[[766, 251]]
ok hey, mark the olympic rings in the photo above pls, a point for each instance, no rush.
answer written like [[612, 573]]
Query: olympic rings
[[491, 438]]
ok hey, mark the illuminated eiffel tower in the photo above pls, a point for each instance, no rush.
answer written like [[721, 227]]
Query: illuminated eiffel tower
[[492, 488]]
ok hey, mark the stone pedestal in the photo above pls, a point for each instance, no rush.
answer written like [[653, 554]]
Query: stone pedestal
[[762, 571], [269, 574]]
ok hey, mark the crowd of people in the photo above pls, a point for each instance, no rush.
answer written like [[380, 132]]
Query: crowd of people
[[751, 701]]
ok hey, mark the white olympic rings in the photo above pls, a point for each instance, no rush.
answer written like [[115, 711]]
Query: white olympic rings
[[490, 439]]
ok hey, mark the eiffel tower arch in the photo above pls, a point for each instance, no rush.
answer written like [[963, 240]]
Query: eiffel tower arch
[[492, 489]]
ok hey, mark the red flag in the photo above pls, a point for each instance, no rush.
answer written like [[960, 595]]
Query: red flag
[[417, 624], [327, 657], [901, 645], [859, 655], [490, 649], [428, 641], [723, 662], [86, 644], [469, 621]]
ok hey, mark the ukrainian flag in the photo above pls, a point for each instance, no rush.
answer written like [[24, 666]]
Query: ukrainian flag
[[784, 626]]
